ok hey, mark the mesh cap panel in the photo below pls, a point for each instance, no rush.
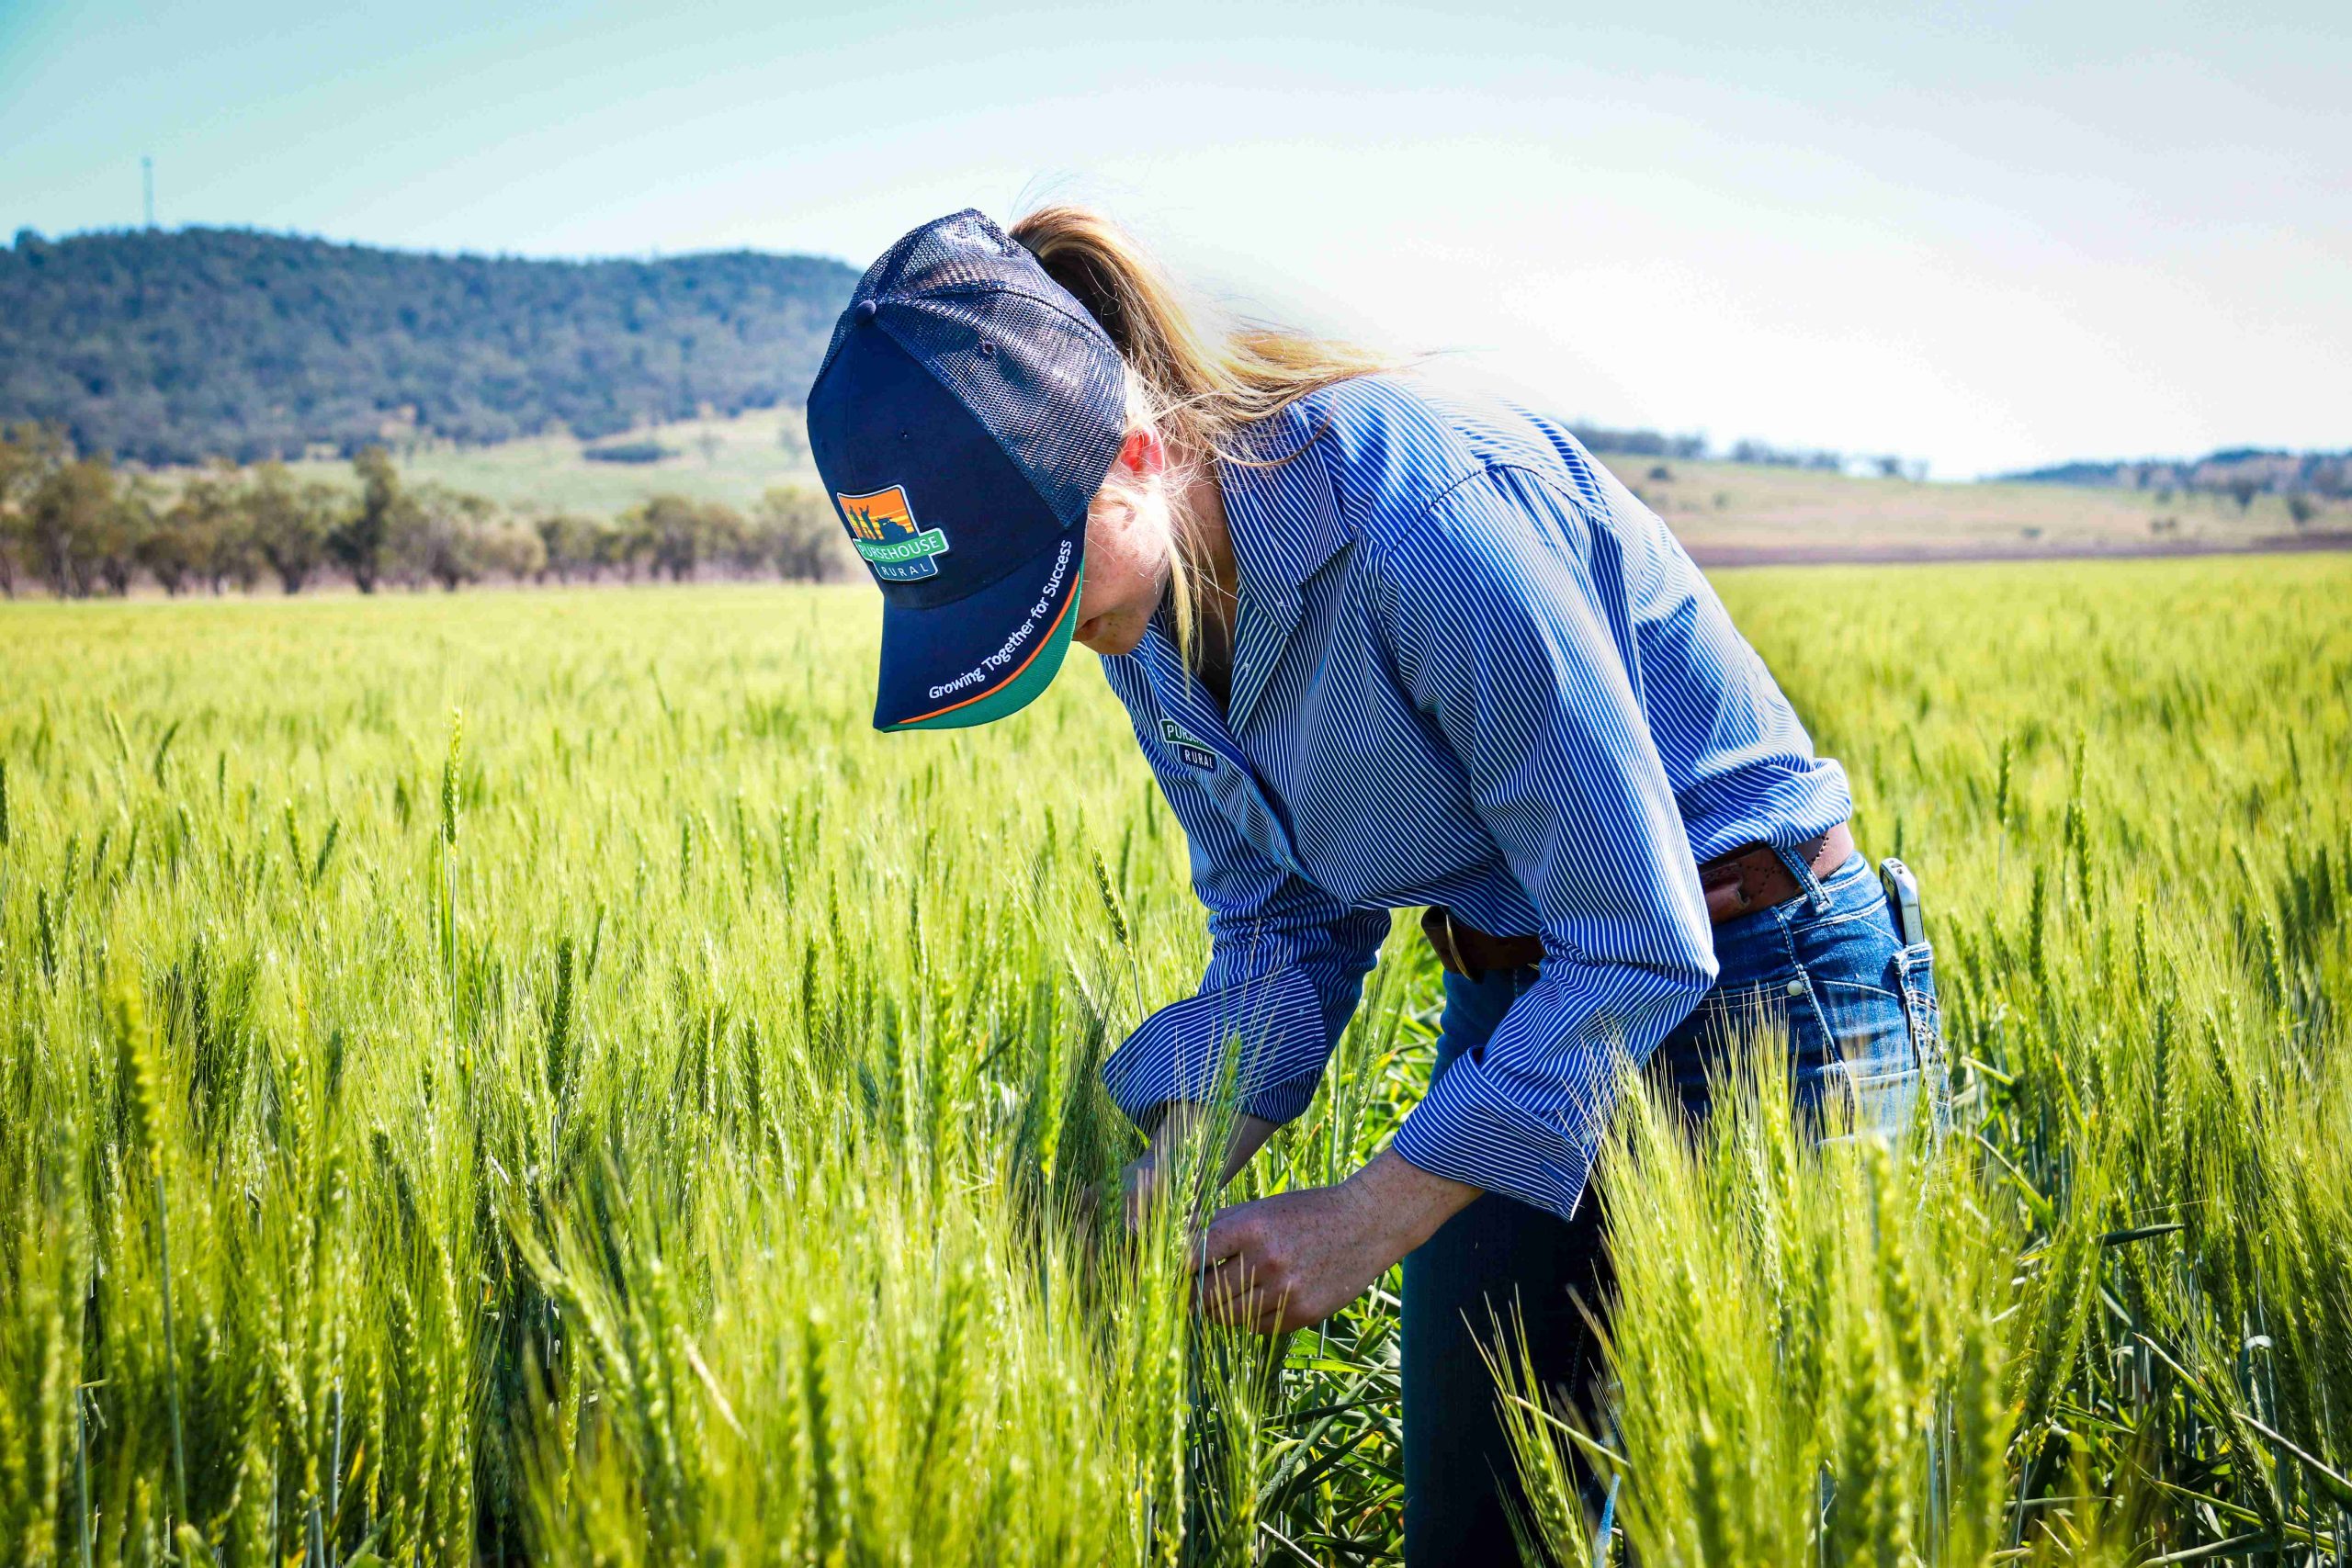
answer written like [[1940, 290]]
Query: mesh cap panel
[[1038, 385], [975, 309]]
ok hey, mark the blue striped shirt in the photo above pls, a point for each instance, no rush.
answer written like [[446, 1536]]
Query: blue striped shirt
[[1469, 669]]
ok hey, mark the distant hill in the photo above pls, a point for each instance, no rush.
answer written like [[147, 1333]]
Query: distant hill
[[178, 345], [2252, 471]]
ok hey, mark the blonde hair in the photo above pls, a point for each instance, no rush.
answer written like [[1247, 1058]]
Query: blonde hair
[[1200, 391]]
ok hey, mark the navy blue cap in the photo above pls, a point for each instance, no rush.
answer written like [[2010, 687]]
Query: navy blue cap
[[966, 412]]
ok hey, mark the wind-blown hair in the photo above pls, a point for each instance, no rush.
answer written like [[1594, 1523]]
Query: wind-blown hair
[[1199, 390]]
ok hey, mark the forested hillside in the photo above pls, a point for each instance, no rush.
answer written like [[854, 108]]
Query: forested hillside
[[173, 347]]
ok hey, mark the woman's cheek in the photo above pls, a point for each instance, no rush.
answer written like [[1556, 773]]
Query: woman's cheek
[[1124, 580], [1115, 566]]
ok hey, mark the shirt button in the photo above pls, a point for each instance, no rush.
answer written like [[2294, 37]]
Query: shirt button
[[1796, 988]]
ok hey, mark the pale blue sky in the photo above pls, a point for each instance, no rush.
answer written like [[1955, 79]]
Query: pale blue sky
[[1993, 236]]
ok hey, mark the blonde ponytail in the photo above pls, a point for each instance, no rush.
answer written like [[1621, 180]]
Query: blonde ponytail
[[1200, 391]]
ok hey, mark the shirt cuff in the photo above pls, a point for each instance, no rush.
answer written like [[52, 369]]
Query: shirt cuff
[[1467, 1129], [1179, 1053]]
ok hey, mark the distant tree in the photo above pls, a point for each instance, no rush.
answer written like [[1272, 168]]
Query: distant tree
[[126, 532], [2301, 507], [207, 517], [1789, 457], [566, 546], [291, 523], [2242, 490], [235, 549], [670, 526], [621, 543], [358, 545], [324, 507], [168, 550], [27, 453], [805, 543], [1661, 473], [441, 535], [725, 534], [69, 513], [1617, 443], [630, 452], [509, 547], [1762, 453], [679, 533], [751, 550]]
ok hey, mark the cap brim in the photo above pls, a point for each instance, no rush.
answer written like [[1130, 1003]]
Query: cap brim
[[987, 654]]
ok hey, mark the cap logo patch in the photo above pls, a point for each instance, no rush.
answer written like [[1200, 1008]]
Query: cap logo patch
[[882, 527]]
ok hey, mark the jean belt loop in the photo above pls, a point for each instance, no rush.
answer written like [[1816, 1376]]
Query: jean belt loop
[[1800, 865]]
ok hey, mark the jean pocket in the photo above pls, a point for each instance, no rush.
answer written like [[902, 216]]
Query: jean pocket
[[1915, 968], [1869, 1065]]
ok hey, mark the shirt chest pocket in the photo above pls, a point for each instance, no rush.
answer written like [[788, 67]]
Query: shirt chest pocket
[[1249, 809], [1231, 787]]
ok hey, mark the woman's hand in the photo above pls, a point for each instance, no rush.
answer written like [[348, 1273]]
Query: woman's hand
[[1295, 1258], [1145, 1176], [1139, 1185]]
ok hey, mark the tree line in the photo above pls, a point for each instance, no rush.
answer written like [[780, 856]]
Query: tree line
[[79, 526], [1604, 441], [2307, 479]]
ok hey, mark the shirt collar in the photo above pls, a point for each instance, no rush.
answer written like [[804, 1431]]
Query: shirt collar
[[1284, 519], [1284, 524]]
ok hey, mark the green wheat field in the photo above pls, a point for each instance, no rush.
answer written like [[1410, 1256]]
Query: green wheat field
[[534, 1077]]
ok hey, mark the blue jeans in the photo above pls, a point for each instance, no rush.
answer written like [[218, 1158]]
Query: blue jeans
[[1861, 1017]]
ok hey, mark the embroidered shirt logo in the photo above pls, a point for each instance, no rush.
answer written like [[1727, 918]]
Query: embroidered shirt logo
[[882, 527], [1191, 748]]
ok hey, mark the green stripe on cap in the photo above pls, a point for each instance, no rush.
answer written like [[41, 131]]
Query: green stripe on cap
[[1036, 673]]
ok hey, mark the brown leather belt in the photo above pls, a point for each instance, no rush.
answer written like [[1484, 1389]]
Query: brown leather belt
[[1736, 884]]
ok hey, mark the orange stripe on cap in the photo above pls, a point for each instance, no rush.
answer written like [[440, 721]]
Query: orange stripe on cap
[[1042, 642]]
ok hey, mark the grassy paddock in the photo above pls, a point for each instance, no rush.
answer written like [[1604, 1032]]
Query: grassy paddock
[[1711, 506], [652, 1118]]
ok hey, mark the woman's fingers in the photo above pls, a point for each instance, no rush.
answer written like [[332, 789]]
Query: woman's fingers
[[1241, 1279], [1224, 1289], [1139, 1183], [1234, 1302], [1252, 1306]]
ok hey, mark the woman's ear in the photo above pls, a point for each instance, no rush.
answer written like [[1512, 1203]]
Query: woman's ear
[[1142, 452]]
